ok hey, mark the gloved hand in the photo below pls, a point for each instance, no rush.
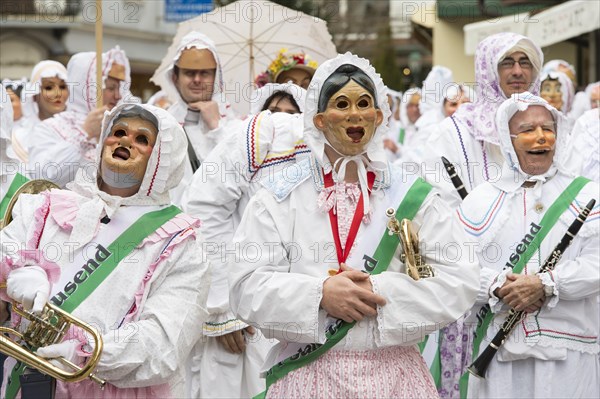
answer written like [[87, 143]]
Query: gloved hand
[[66, 349], [29, 285]]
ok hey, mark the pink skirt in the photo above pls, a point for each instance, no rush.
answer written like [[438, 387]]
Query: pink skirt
[[394, 372]]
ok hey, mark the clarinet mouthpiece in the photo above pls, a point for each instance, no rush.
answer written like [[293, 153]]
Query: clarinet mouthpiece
[[446, 162]]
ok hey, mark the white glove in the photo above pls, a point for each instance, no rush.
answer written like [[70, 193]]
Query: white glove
[[29, 285], [65, 349]]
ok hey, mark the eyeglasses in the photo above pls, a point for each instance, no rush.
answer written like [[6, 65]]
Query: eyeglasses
[[508, 63]]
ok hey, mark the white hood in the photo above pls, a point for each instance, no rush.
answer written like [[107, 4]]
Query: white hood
[[314, 138], [199, 41], [406, 97], [376, 157], [44, 69], [512, 175], [434, 89], [81, 71], [165, 166], [164, 172], [260, 95], [567, 89]]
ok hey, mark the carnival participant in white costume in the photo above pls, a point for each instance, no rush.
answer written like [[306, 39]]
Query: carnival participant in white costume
[[278, 97], [390, 141], [287, 67], [410, 112], [553, 352], [66, 142], [12, 175], [9, 167], [45, 95], [583, 153], [577, 98], [195, 83], [593, 94], [154, 299], [433, 93], [218, 194], [286, 283], [563, 66], [409, 115], [558, 90], [441, 97], [505, 63], [586, 100]]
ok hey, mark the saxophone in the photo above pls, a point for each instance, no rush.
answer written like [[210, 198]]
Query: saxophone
[[415, 267]]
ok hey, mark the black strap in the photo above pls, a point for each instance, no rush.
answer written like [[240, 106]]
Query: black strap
[[194, 161], [35, 385]]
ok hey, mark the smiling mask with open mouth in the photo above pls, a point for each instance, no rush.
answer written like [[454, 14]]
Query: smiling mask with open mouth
[[126, 152]]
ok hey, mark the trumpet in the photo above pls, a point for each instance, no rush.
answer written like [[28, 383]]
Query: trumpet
[[48, 328], [415, 267]]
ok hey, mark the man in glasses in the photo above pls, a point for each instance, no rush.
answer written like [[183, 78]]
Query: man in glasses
[[505, 64], [515, 72]]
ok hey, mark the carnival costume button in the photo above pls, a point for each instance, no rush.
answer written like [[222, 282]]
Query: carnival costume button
[[539, 207]]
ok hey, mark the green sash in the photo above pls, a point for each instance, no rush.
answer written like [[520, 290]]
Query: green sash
[[384, 253], [548, 221], [120, 248], [17, 182], [401, 135]]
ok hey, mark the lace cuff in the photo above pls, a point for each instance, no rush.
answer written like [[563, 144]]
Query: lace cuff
[[548, 280], [495, 302]]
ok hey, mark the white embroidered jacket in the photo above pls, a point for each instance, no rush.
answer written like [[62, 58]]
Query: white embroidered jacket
[[496, 222], [286, 249]]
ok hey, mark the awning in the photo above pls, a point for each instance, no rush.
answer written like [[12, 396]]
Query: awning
[[564, 21], [551, 26], [476, 32], [424, 13]]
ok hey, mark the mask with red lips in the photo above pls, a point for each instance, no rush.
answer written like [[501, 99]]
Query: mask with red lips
[[350, 119], [126, 152]]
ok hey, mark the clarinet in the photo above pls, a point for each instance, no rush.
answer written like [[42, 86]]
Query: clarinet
[[480, 365], [458, 184]]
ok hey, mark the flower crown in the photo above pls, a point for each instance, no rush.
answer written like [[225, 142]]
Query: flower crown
[[284, 62]]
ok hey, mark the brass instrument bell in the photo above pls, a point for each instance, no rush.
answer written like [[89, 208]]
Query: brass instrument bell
[[415, 267]]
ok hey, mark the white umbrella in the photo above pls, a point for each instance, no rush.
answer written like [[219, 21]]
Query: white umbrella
[[248, 35]]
